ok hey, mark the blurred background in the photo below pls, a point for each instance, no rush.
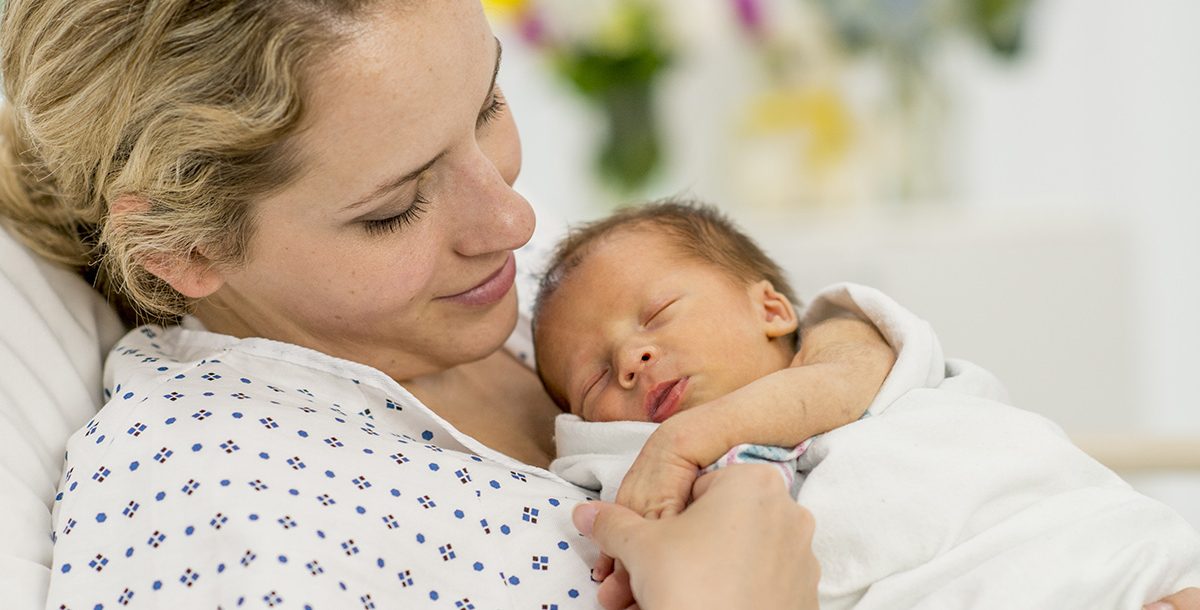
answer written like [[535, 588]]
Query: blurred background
[[1025, 174]]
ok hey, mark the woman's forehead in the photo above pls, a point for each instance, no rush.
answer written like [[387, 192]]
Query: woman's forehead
[[401, 91]]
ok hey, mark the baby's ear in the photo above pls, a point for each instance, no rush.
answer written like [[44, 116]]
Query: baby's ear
[[191, 275], [778, 316]]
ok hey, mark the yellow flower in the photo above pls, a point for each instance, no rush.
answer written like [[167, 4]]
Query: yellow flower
[[817, 112], [619, 33], [504, 9]]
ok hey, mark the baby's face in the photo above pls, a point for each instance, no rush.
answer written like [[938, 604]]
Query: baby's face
[[639, 332]]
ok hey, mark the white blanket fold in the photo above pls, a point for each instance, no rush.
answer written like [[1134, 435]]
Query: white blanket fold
[[948, 498]]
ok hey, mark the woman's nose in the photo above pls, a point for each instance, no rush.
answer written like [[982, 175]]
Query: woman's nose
[[493, 216], [634, 362]]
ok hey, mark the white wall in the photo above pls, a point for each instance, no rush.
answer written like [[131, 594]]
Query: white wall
[[1105, 114]]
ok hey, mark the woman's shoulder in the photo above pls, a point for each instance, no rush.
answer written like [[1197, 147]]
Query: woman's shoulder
[[176, 384]]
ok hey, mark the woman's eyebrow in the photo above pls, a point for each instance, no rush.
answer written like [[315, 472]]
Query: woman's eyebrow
[[396, 183]]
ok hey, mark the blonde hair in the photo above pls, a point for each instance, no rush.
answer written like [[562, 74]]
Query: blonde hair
[[187, 105]]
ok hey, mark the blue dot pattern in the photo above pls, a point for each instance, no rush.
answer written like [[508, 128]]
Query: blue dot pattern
[[226, 473]]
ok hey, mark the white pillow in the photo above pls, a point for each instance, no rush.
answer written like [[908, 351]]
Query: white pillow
[[54, 333]]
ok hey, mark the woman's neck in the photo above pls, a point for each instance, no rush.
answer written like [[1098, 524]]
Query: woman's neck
[[497, 401]]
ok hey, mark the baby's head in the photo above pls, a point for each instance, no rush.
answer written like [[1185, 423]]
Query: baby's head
[[656, 309]]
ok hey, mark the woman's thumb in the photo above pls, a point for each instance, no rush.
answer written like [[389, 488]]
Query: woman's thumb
[[609, 525]]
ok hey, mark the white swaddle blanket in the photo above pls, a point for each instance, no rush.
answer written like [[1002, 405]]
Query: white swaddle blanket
[[946, 497]]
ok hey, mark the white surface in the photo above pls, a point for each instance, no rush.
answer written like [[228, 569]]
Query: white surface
[[54, 330]]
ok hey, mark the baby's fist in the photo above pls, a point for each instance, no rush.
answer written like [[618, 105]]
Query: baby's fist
[[659, 483]]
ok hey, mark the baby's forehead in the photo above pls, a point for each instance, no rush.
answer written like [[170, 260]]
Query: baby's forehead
[[639, 241]]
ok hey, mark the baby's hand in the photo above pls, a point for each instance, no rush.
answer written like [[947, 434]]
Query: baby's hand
[[659, 484]]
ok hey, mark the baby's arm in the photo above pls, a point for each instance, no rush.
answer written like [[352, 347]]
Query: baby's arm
[[832, 380]]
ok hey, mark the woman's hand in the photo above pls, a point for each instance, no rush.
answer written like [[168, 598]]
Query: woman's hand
[[1187, 599], [743, 543]]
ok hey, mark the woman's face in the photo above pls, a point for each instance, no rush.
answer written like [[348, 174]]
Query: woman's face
[[393, 247]]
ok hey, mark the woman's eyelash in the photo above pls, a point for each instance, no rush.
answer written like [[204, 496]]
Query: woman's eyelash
[[399, 221], [414, 211], [493, 110]]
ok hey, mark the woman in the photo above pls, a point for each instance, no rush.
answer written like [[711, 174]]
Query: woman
[[326, 188]]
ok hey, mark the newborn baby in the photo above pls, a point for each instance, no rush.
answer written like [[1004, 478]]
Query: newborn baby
[[668, 314], [669, 337]]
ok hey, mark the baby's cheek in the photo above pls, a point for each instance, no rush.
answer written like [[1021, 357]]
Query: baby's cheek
[[616, 410]]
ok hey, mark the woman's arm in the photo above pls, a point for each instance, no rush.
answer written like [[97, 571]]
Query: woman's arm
[[744, 543]]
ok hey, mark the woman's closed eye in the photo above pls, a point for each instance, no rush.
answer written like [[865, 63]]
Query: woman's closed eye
[[493, 109], [394, 223]]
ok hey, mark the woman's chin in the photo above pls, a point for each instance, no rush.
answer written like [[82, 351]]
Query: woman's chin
[[481, 337]]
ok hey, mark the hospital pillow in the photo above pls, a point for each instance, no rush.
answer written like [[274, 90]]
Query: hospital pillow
[[54, 333]]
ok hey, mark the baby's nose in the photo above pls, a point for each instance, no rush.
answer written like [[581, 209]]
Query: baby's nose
[[644, 359]]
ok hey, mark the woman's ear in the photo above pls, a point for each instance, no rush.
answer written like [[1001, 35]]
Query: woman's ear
[[191, 275], [778, 316]]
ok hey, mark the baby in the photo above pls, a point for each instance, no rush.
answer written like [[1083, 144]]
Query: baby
[[670, 337], [668, 314]]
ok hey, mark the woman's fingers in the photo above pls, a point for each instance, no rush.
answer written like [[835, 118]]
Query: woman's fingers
[[744, 517], [1187, 599], [704, 482], [602, 568], [615, 592], [610, 525]]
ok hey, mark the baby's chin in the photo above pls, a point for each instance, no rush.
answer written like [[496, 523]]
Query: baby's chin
[[609, 416]]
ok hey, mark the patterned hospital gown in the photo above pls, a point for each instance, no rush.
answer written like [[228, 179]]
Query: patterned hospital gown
[[227, 473]]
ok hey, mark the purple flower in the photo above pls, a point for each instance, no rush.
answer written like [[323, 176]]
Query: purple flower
[[749, 13], [532, 27]]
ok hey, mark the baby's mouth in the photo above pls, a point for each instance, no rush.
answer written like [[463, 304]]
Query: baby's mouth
[[662, 401]]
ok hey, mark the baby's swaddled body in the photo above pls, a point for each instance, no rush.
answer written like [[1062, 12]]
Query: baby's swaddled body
[[945, 497]]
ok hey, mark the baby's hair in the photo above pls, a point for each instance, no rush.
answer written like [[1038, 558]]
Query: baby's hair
[[698, 230]]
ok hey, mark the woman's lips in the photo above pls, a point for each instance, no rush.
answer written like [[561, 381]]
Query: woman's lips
[[489, 290], [663, 399]]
